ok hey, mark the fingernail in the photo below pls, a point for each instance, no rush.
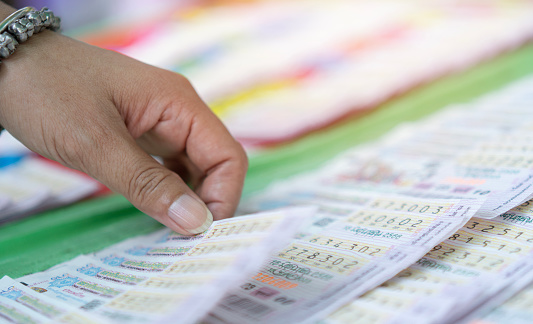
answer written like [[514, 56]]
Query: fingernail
[[192, 215]]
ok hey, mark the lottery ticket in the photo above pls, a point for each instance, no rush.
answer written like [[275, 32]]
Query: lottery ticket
[[517, 310], [164, 274], [15, 313], [19, 304], [508, 294], [355, 252], [33, 183], [84, 282], [65, 186], [271, 232], [461, 153], [476, 266], [486, 257], [6, 203], [23, 195]]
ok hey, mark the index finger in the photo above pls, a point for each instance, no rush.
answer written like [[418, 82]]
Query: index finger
[[221, 159]]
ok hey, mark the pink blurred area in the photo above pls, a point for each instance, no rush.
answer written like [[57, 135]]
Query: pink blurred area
[[119, 23], [77, 14]]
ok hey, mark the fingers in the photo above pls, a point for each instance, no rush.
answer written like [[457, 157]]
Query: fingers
[[118, 162], [211, 161], [221, 159], [193, 142], [187, 171]]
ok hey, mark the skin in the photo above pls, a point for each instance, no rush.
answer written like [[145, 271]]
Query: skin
[[103, 113]]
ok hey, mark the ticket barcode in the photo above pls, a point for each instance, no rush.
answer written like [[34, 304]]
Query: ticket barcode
[[245, 305]]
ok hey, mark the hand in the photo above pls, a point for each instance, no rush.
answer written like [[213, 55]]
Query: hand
[[104, 114]]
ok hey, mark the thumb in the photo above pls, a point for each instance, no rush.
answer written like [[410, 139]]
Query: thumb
[[119, 163]]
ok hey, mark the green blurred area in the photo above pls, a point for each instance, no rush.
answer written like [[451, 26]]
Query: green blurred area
[[37, 243]]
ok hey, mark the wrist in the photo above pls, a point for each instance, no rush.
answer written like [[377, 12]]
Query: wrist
[[5, 11], [23, 24], [20, 25]]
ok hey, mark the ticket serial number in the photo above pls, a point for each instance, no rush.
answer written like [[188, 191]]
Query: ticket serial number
[[350, 245], [322, 259], [392, 221]]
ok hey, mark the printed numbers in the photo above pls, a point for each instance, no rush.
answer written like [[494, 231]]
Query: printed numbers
[[503, 230], [349, 245], [489, 242], [526, 207], [470, 258], [208, 248], [195, 266], [239, 228], [402, 206], [322, 259], [399, 222]]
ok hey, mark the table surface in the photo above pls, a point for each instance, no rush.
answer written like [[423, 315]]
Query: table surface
[[39, 242]]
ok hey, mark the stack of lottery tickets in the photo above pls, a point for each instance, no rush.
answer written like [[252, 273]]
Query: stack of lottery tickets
[[29, 184], [432, 223], [476, 155], [159, 277]]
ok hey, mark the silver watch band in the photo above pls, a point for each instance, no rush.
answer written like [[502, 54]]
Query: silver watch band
[[21, 25]]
